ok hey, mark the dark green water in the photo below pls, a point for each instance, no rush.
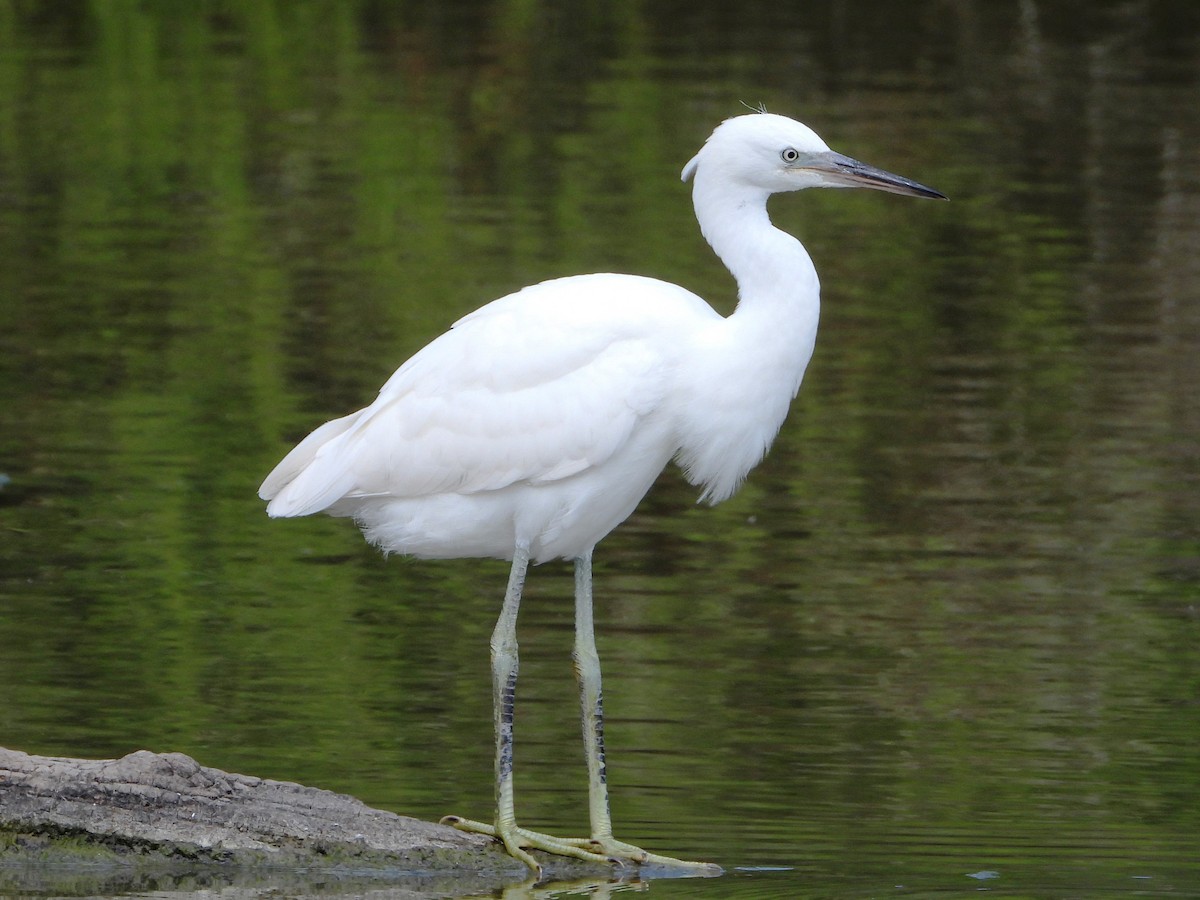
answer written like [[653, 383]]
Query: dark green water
[[946, 639]]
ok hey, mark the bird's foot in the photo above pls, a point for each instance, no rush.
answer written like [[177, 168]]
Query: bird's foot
[[518, 841], [605, 850]]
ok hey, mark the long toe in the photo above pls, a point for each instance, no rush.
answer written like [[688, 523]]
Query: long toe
[[610, 847]]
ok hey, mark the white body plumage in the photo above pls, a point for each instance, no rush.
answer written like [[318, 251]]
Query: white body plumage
[[545, 416]]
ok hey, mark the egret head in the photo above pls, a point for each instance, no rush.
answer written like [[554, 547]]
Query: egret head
[[773, 154]]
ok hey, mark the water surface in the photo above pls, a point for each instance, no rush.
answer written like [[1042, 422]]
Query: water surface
[[944, 640]]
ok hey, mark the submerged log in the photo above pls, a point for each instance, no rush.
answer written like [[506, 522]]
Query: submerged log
[[166, 811]]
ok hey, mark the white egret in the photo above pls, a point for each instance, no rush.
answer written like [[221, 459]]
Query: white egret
[[536, 424]]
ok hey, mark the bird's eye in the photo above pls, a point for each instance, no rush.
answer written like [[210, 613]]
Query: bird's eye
[[790, 155]]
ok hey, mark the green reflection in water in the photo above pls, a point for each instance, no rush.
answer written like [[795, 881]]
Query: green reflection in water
[[948, 627]]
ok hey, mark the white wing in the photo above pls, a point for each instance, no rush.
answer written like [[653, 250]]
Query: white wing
[[534, 387]]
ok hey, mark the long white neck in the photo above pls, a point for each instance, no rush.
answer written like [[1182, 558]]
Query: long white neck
[[772, 268], [755, 367]]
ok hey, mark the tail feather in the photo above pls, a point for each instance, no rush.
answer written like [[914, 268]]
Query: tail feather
[[299, 485]]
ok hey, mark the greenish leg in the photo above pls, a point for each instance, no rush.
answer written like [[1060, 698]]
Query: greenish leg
[[591, 698], [505, 664], [601, 846], [591, 701]]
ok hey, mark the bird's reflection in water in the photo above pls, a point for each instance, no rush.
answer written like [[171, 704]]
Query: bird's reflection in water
[[532, 889]]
